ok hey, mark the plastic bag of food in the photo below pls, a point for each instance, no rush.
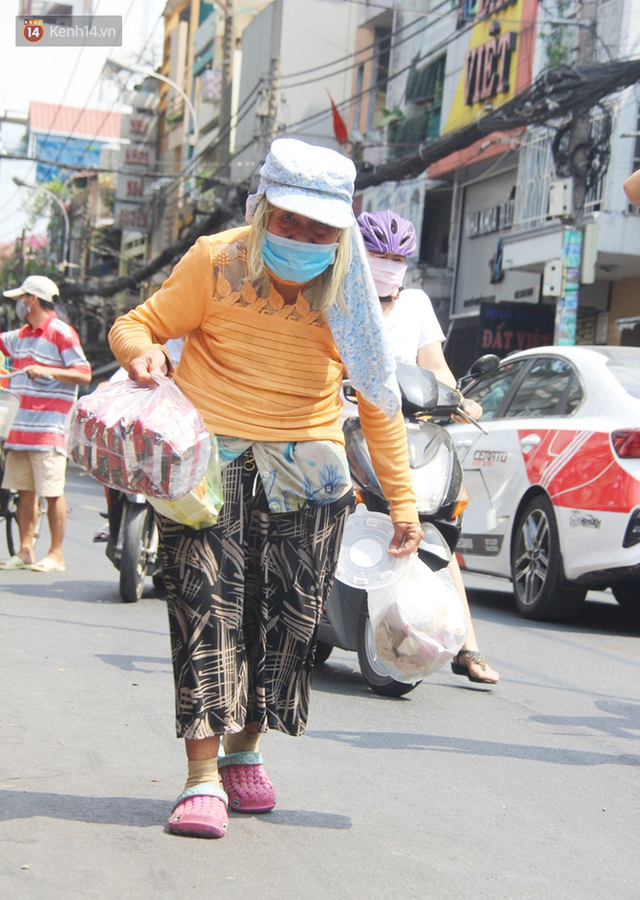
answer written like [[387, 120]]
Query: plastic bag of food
[[417, 621], [146, 439], [200, 507]]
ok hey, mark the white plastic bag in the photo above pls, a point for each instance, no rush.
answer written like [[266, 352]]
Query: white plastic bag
[[418, 621]]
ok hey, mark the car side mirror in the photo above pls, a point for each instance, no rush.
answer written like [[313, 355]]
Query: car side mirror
[[485, 365]]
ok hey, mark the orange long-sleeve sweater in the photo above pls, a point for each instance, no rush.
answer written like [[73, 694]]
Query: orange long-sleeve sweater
[[256, 367]]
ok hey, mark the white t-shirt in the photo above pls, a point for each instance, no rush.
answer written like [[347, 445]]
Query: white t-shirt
[[411, 324]]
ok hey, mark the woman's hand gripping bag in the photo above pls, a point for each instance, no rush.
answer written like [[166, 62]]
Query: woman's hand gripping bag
[[148, 439], [417, 621]]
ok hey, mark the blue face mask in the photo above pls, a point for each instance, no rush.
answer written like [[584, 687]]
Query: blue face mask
[[296, 261]]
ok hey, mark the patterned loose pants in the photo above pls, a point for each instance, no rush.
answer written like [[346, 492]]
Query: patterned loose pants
[[245, 598]]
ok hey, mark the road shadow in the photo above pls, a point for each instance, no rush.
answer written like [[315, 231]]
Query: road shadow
[[619, 720], [389, 740], [596, 616], [139, 664], [137, 812], [337, 678], [490, 605], [303, 818], [75, 591]]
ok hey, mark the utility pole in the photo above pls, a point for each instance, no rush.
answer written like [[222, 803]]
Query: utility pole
[[22, 240], [267, 107], [579, 141], [580, 133], [228, 51], [274, 99]]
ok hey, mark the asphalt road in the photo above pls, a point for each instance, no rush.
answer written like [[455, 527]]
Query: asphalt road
[[529, 790]]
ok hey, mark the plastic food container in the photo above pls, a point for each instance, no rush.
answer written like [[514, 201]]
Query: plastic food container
[[364, 561]]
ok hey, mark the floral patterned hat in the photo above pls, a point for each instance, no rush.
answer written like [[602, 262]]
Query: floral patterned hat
[[311, 181]]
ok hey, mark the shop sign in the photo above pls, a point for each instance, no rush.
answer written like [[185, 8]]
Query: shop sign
[[486, 221], [486, 68], [132, 217], [494, 57], [506, 327], [132, 210]]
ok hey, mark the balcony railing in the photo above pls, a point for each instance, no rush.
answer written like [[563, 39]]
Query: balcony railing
[[536, 171]]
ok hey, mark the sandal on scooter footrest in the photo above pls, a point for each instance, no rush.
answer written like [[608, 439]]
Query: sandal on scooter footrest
[[246, 782], [200, 811]]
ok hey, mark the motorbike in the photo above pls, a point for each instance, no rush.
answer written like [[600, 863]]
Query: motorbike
[[441, 500], [132, 545]]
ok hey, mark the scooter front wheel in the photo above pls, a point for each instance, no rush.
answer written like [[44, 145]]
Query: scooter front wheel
[[138, 529], [373, 674]]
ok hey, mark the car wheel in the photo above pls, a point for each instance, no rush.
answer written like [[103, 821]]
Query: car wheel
[[539, 586], [376, 678], [323, 652]]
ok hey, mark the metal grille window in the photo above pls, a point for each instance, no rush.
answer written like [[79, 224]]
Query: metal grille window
[[537, 169], [535, 172]]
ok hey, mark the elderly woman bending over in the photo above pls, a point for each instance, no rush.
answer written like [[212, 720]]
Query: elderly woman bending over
[[274, 313]]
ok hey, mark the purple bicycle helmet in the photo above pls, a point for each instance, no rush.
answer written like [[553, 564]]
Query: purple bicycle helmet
[[387, 232]]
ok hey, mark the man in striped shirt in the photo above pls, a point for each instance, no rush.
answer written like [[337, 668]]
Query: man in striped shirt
[[46, 353]]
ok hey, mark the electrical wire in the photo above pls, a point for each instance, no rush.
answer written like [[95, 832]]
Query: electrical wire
[[159, 19], [140, 53], [190, 164]]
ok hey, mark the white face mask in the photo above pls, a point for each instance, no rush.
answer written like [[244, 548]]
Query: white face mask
[[22, 310], [388, 275]]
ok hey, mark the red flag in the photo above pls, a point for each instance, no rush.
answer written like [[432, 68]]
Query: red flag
[[339, 127]]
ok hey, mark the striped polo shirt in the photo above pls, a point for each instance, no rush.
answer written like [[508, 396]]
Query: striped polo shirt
[[39, 424]]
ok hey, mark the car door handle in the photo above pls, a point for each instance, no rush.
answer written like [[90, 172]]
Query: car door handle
[[529, 442]]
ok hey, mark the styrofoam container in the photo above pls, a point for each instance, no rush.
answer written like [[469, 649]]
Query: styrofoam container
[[364, 561]]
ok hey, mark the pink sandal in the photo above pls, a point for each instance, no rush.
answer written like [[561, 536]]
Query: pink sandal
[[200, 811], [246, 782]]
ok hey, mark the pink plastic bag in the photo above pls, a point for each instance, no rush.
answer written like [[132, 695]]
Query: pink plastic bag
[[147, 439]]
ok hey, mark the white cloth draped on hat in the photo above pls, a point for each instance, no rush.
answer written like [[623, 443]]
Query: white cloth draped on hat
[[318, 183]]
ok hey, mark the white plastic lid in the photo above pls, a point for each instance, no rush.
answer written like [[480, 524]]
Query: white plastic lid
[[364, 561]]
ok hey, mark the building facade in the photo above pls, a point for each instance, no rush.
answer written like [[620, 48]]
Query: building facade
[[494, 216]]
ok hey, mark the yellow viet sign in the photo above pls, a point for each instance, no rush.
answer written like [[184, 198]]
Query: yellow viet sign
[[497, 61]]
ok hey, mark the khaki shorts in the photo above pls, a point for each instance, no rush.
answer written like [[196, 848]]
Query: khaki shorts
[[42, 471]]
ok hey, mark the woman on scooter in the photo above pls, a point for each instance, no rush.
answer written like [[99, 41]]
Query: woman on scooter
[[416, 339], [274, 312]]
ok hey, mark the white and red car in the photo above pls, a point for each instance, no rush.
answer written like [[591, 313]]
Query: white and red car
[[554, 485]]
